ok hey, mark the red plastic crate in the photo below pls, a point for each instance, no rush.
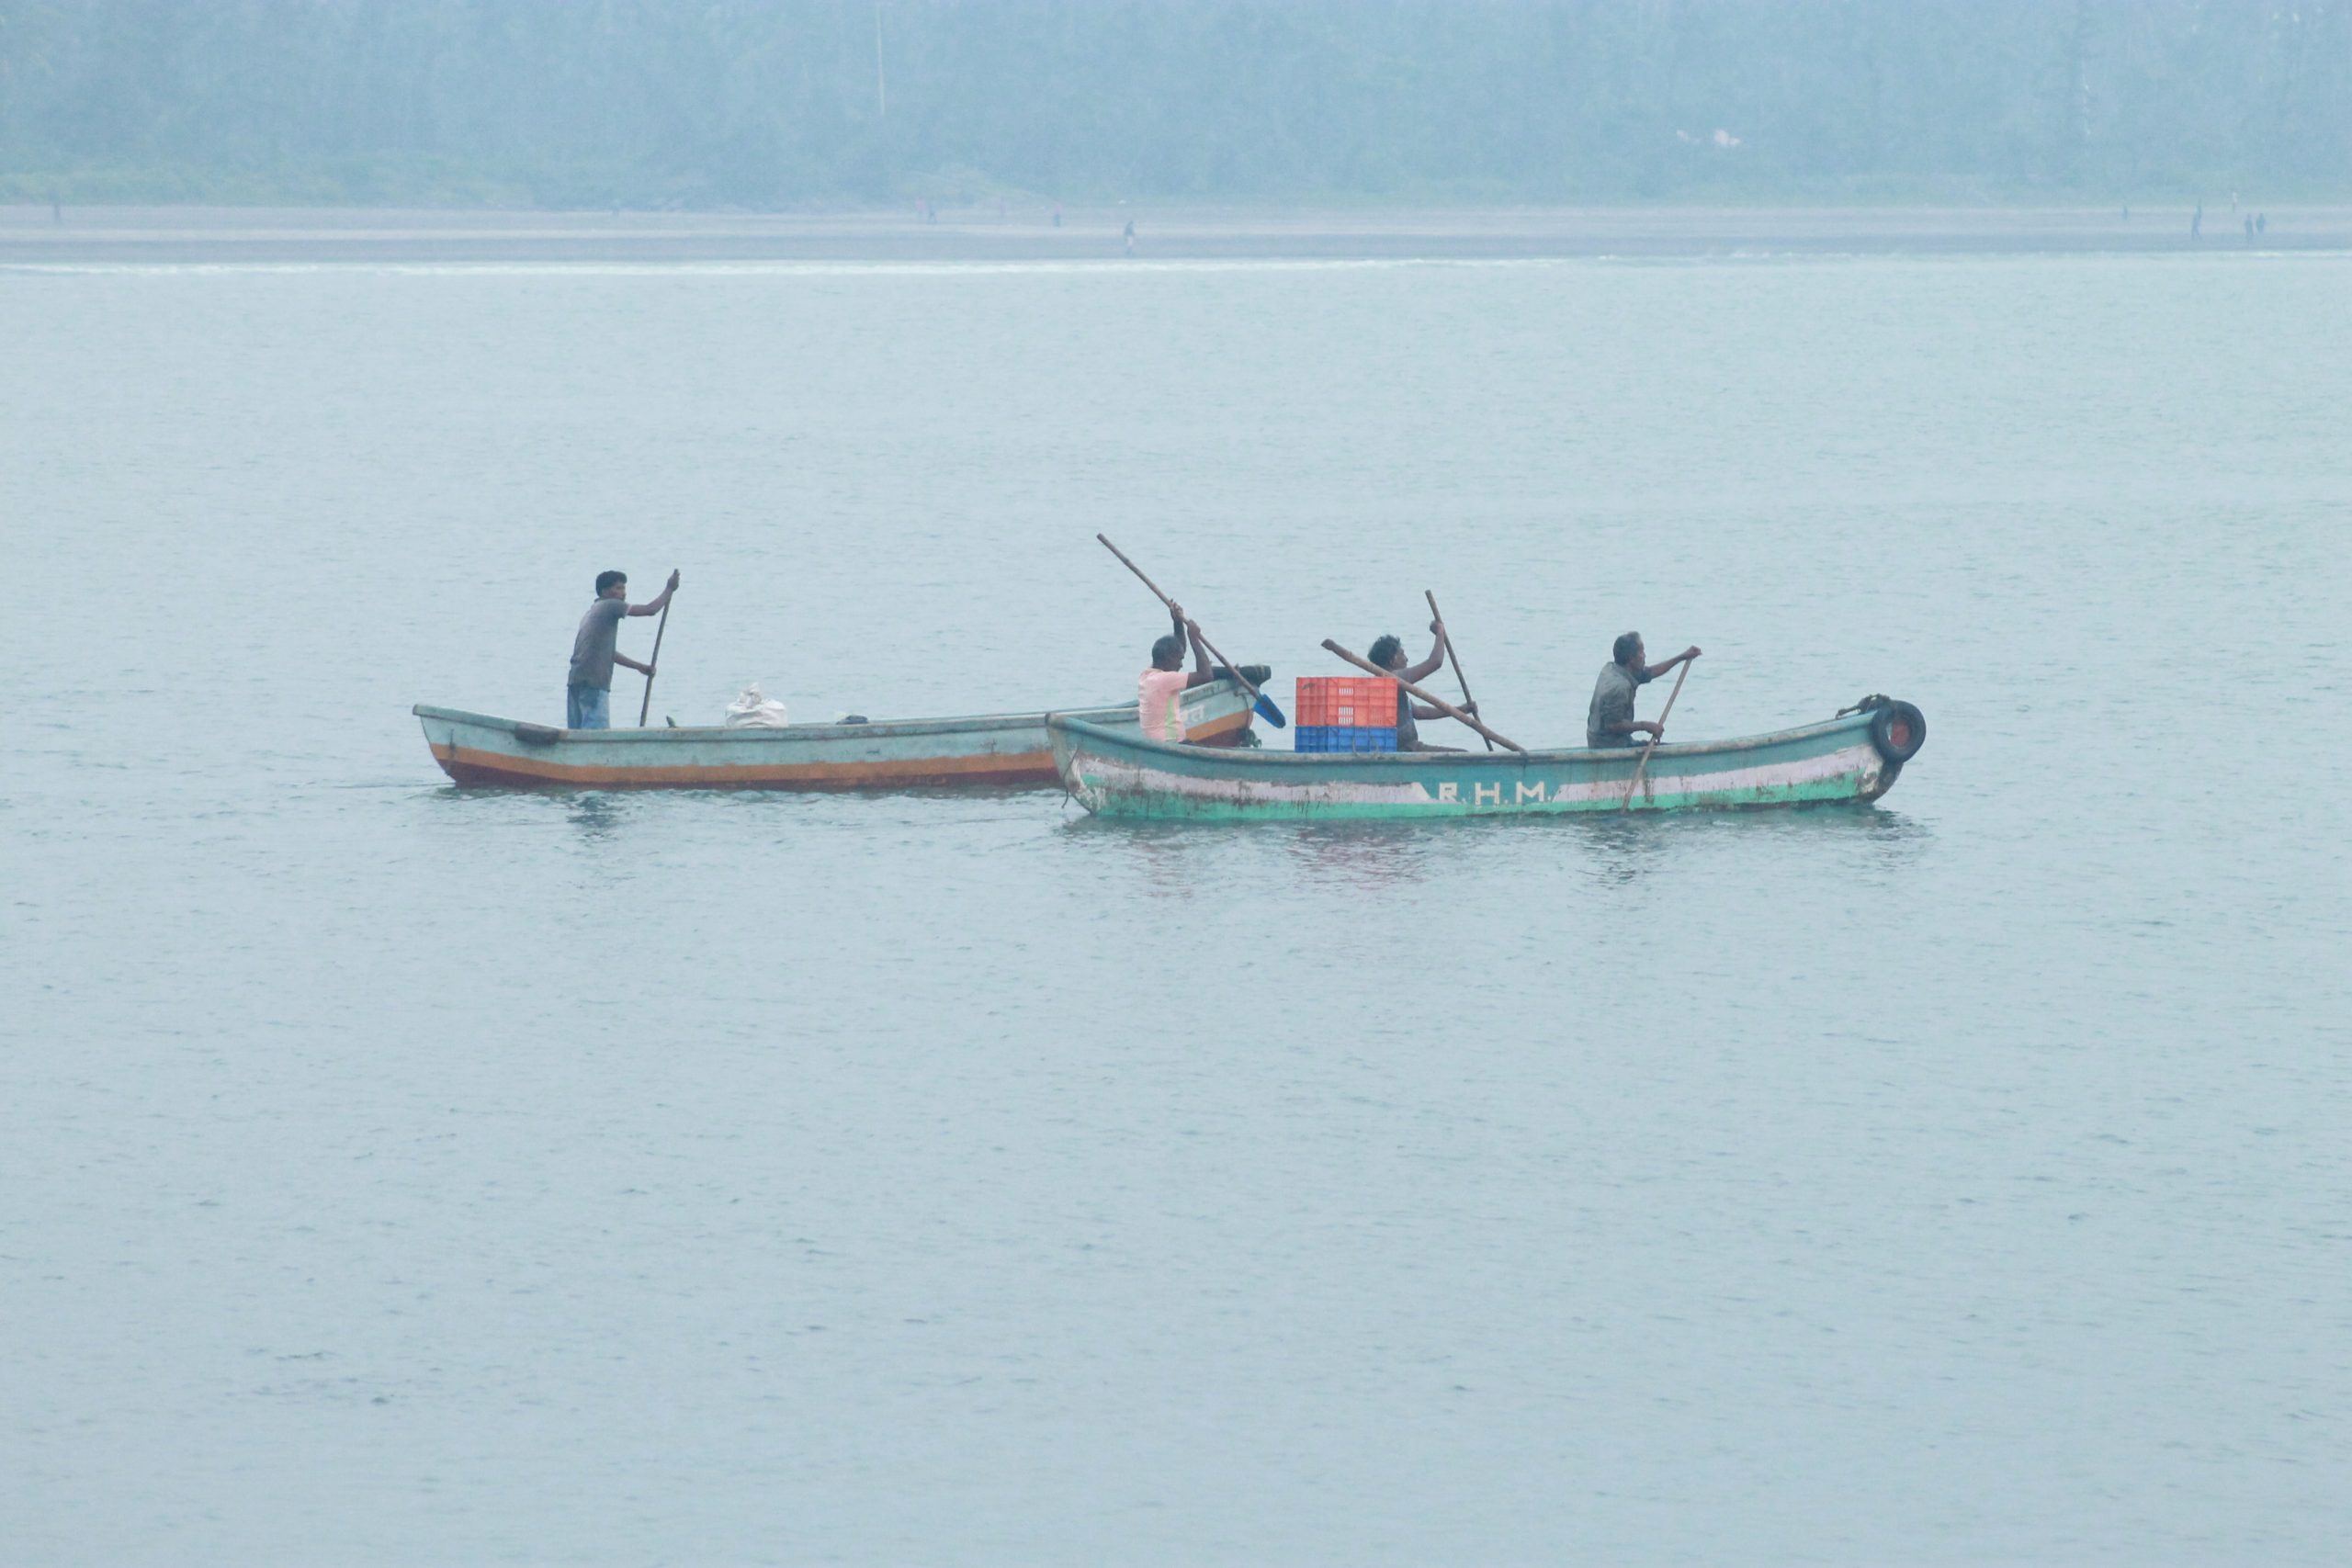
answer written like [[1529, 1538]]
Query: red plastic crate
[[1346, 702]]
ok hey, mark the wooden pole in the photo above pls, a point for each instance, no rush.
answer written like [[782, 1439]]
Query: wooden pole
[[1447, 708], [1643, 766], [1464, 681], [651, 665], [1256, 696]]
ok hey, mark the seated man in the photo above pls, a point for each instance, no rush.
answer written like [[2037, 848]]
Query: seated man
[[590, 686], [1610, 720], [1160, 692], [1389, 654]]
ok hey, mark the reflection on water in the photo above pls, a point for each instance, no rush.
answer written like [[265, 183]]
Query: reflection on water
[[594, 817], [1376, 856], [1168, 858], [1387, 854]]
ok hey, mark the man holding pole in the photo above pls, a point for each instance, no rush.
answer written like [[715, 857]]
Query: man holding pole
[[1610, 720], [1161, 689], [1388, 652], [588, 695]]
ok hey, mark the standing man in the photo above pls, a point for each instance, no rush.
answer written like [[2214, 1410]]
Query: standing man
[[1610, 720], [589, 693]]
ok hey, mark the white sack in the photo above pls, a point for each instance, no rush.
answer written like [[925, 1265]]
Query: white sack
[[753, 711]]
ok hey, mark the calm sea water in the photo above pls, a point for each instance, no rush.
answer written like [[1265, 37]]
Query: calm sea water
[[395, 1174]]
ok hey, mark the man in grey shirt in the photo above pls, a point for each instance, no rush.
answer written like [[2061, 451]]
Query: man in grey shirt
[[588, 692], [1610, 720]]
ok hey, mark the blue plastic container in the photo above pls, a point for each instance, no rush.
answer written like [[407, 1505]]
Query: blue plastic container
[[1341, 738]]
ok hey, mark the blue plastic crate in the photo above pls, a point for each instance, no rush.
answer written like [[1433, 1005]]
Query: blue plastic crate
[[1341, 738]]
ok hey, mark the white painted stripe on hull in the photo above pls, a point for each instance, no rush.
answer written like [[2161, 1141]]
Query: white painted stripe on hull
[[1106, 776]]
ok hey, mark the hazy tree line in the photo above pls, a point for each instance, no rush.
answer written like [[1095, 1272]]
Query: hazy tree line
[[777, 103]]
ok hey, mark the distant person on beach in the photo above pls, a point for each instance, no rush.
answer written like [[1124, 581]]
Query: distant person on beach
[[588, 692], [1610, 720], [2197, 221], [1388, 652], [2262, 222], [1058, 215], [1131, 236], [1160, 690]]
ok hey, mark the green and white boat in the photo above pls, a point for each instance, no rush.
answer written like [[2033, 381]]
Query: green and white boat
[[1855, 756]]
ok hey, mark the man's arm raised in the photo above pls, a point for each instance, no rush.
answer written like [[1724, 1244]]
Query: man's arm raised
[[1201, 675], [659, 603], [1417, 673], [1688, 654]]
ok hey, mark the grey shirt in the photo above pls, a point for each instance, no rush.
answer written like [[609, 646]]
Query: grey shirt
[[592, 649], [1613, 703]]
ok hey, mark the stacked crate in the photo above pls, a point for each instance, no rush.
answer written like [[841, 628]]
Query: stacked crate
[[1344, 713]]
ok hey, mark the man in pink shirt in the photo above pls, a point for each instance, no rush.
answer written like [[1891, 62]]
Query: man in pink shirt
[[1160, 690]]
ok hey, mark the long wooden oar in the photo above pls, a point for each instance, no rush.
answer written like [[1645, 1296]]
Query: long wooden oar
[[1460, 679], [651, 665], [1447, 708], [1258, 699], [1643, 766]]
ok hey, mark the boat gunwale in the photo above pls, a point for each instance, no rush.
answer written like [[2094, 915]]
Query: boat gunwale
[[888, 729]]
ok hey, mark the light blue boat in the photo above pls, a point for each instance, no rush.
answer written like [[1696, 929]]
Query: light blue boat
[[1855, 756], [992, 750]]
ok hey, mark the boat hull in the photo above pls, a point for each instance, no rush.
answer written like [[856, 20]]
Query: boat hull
[[1121, 776], [999, 750]]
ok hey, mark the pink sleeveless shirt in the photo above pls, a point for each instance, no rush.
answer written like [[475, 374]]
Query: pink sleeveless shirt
[[1159, 704]]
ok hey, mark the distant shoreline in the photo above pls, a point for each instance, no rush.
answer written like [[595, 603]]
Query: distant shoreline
[[30, 234]]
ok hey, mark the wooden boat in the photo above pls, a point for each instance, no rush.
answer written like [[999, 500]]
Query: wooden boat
[[1852, 758], [999, 750]]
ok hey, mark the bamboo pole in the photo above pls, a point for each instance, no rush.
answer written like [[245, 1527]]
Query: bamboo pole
[[1257, 697], [1447, 633], [1643, 766], [1447, 708], [651, 665]]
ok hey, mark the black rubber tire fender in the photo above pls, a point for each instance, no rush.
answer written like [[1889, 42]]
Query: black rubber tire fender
[[1898, 730]]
